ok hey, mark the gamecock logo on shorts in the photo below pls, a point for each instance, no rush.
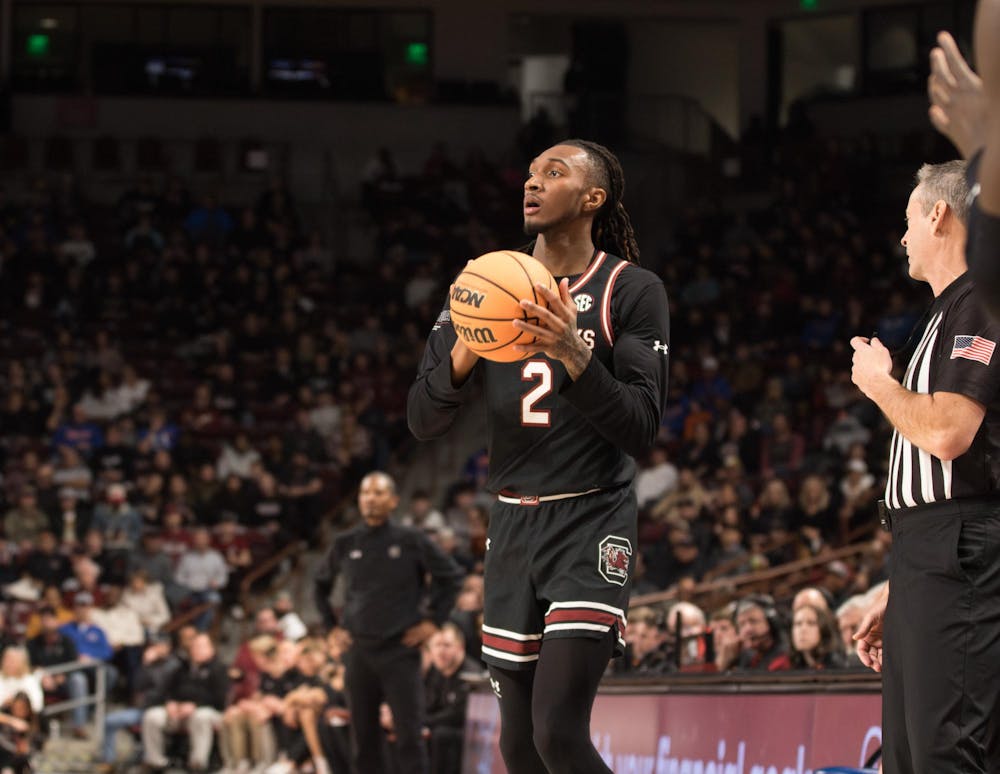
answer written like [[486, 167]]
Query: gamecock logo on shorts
[[613, 557]]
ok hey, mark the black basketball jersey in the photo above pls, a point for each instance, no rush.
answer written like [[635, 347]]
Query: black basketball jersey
[[546, 433]]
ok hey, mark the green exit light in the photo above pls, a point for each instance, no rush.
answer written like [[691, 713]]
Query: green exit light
[[417, 54], [809, 5], [38, 44]]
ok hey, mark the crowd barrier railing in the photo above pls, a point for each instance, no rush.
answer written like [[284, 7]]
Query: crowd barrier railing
[[97, 699]]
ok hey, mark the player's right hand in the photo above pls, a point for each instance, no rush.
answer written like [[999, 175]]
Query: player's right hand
[[958, 103], [869, 634]]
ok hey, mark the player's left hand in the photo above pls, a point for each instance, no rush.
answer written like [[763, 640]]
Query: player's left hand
[[418, 634], [555, 332], [872, 362]]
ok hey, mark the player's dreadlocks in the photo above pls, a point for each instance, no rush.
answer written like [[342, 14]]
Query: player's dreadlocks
[[612, 229]]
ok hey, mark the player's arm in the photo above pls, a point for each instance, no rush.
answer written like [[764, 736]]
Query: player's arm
[[444, 382], [625, 404], [983, 249], [987, 45]]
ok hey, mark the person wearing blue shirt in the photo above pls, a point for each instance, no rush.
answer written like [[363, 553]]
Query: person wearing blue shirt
[[90, 640], [161, 435], [79, 432]]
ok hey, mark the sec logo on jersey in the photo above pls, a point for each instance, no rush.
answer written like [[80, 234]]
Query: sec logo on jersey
[[583, 301]]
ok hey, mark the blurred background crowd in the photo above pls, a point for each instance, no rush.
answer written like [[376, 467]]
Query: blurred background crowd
[[192, 384], [192, 389]]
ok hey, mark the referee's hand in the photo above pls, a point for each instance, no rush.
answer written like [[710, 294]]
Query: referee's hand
[[869, 634], [872, 364]]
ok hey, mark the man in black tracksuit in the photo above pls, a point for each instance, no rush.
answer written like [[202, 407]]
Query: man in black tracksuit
[[386, 569]]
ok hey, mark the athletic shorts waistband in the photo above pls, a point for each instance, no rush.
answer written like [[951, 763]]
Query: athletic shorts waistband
[[516, 499]]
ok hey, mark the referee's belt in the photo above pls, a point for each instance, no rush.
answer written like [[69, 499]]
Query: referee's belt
[[515, 499], [963, 506]]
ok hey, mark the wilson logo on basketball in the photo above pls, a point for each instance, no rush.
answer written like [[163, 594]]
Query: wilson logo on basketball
[[583, 301], [614, 557], [466, 296], [477, 335]]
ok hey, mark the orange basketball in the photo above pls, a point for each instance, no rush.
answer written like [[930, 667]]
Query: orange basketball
[[485, 300]]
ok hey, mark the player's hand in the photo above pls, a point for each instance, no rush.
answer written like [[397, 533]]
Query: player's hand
[[869, 634], [555, 332], [463, 359], [872, 363], [418, 634], [958, 104]]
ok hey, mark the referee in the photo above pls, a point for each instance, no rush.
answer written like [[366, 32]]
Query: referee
[[388, 572], [940, 624]]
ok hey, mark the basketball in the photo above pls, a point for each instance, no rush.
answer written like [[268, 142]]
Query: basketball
[[485, 300]]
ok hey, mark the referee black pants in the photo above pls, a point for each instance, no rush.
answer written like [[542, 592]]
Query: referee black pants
[[390, 672], [941, 660]]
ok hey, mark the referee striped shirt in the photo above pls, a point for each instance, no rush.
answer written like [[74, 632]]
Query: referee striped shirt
[[955, 353]]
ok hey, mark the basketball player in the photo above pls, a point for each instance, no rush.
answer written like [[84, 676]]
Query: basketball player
[[564, 425], [966, 109]]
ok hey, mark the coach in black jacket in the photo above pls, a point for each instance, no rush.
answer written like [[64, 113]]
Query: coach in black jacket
[[386, 568]]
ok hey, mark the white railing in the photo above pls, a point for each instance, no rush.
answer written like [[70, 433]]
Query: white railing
[[98, 699]]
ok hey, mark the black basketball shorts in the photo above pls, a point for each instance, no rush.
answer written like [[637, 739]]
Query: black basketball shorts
[[560, 568]]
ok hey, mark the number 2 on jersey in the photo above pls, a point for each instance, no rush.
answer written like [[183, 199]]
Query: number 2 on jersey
[[540, 371]]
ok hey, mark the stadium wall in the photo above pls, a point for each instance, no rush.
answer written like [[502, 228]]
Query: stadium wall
[[769, 729], [351, 130]]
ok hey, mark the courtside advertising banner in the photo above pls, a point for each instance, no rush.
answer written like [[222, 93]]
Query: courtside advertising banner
[[708, 734]]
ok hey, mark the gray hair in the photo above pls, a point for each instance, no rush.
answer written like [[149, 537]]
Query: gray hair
[[945, 182], [686, 610], [857, 602]]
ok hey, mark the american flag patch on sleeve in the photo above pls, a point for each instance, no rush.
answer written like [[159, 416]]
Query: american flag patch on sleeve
[[973, 348]]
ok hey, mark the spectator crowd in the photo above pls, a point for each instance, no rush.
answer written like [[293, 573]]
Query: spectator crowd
[[188, 388]]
